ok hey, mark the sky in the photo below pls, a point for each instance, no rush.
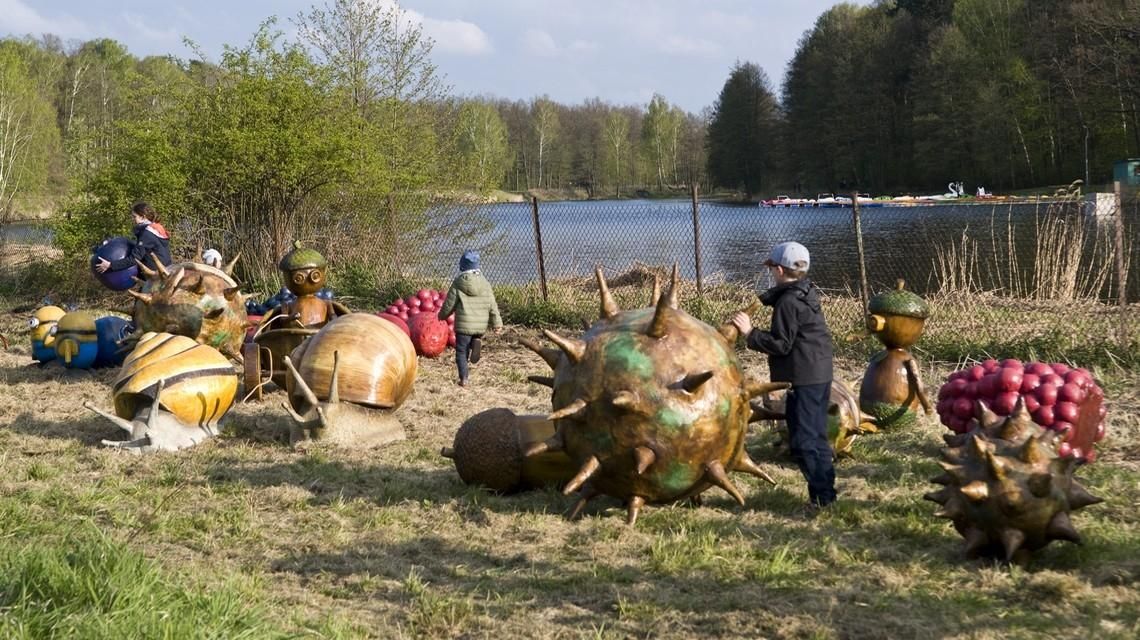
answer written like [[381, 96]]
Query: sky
[[622, 51]]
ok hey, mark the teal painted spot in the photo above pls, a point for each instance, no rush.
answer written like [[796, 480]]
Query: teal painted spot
[[678, 477], [673, 420], [724, 406], [600, 439], [622, 354]]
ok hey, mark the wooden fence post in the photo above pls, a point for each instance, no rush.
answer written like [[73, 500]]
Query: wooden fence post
[[1121, 274], [697, 240], [538, 246], [864, 290]]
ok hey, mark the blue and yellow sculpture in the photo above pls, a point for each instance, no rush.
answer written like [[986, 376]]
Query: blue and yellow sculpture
[[43, 327], [82, 341]]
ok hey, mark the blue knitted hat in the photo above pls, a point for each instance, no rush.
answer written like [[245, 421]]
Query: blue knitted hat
[[469, 261]]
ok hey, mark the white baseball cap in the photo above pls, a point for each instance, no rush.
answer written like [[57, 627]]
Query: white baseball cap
[[789, 255], [212, 256]]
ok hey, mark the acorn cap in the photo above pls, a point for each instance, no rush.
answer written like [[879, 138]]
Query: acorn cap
[[899, 302], [301, 257]]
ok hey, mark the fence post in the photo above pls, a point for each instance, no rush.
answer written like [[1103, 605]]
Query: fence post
[[538, 247], [697, 239], [1121, 274], [864, 290]]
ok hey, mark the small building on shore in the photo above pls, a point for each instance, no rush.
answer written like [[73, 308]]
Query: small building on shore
[[1127, 173]]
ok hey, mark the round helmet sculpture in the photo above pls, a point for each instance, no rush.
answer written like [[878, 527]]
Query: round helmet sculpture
[[650, 404], [113, 249]]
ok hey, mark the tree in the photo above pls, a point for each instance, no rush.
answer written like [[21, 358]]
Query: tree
[[545, 125], [743, 130], [483, 144], [617, 135], [28, 137], [659, 138]]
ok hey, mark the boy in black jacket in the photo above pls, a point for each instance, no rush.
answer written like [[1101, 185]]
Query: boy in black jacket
[[799, 351]]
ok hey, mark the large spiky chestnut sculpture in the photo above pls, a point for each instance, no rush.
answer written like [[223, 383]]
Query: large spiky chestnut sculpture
[[1006, 489], [192, 300], [650, 404]]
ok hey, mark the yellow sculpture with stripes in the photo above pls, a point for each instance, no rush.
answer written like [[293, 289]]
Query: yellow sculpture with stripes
[[171, 393]]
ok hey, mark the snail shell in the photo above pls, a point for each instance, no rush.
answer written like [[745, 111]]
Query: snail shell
[[377, 362], [199, 387]]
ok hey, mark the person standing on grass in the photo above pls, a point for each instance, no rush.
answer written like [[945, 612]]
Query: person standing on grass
[[800, 351], [150, 238], [473, 302]]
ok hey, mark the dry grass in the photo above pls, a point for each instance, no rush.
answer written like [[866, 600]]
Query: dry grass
[[389, 543]]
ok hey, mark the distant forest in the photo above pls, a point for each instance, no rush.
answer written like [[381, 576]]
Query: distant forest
[[902, 95]]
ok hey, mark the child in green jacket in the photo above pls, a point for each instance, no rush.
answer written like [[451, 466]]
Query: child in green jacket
[[473, 302]]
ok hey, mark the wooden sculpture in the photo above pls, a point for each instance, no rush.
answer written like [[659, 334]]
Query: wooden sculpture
[[845, 422], [892, 390], [651, 405], [42, 326], [490, 446]]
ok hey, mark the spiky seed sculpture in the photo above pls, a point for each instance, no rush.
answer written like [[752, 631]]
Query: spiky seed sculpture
[[192, 300], [1006, 490], [650, 404]]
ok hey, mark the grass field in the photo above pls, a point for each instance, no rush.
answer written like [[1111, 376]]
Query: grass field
[[244, 537]]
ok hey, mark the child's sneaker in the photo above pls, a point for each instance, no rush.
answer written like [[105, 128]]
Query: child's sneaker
[[476, 349]]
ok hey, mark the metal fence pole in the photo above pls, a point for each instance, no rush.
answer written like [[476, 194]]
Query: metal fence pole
[[697, 239], [1121, 274], [538, 247], [864, 290]]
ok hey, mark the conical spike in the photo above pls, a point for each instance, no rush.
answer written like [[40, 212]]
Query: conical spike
[[231, 293], [1031, 452], [145, 298], [693, 381], [609, 307], [1061, 528], [1011, 541], [152, 419], [761, 412], [980, 446], [159, 267], [301, 386], [756, 388], [747, 465], [447, 452], [995, 466], [586, 494], [1040, 484], [138, 280], [954, 439], [674, 289], [199, 287], [1079, 497], [955, 471], [656, 294], [940, 496], [334, 383], [572, 347], [145, 270], [948, 511], [546, 381], [635, 504], [984, 415], [714, 473], [943, 479], [952, 455], [976, 491], [176, 280], [229, 268], [644, 457], [589, 468], [624, 398], [976, 540], [551, 356], [553, 443], [728, 330], [1020, 411], [571, 409], [125, 425], [658, 326]]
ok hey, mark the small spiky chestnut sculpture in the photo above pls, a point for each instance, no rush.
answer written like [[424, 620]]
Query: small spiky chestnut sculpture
[[192, 300], [650, 404], [1006, 490]]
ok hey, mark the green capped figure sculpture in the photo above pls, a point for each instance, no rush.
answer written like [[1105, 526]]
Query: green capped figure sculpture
[[651, 405], [892, 389]]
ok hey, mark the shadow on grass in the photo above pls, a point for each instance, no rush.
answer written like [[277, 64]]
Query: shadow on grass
[[89, 431]]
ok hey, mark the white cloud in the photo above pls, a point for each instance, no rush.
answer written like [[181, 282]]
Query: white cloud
[[150, 33], [457, 36], [539, 43], [689, 46], [583, 46], [18, 18]]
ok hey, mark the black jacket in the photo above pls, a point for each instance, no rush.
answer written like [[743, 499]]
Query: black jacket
[[150, 237], [799, 345]]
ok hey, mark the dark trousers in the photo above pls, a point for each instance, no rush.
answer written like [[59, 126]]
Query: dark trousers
[[463, 352], [806, 412]]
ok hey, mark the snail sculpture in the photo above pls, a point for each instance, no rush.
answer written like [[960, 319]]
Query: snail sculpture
[[892, 390], [490, 447], [346, 380], [650, 404], [171, 393], [193, 300]]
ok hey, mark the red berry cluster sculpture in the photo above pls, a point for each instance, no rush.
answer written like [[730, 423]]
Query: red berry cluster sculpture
[[416, 316]]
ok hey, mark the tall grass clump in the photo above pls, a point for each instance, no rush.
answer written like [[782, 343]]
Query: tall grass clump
[[91, 587]]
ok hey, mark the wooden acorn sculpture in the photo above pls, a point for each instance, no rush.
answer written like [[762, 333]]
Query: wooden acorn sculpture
[[1006, 489], [650, 404], [892, 389], [171, 393], [490, 447], [346, 380], [193, 300]]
